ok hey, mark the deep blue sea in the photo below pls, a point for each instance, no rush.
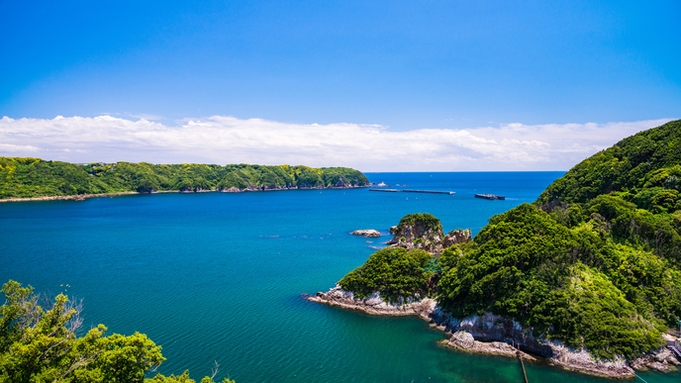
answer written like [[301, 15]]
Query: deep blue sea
[[219, 276]]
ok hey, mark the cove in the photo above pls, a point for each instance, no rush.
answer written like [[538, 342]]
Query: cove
[[219, 276]]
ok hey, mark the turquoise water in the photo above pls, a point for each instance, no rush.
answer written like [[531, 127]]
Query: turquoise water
[[219, 276]]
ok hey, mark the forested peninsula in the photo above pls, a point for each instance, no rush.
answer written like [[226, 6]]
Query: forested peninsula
[[25, 178], [588, 276]]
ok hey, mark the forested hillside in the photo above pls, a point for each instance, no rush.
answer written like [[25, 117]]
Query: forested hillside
[[33, 177], [595, 262]]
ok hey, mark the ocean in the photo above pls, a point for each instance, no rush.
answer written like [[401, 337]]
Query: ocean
[[220, 276]]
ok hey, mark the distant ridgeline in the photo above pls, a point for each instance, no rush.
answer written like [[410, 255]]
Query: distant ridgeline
[[595, 262], [33, 177]]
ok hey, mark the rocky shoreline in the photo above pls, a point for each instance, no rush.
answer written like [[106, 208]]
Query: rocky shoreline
[[80, 197], [77, 197], [495, 335], [281, 188]]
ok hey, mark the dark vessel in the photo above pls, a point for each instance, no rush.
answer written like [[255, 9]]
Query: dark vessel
[[490, 196]]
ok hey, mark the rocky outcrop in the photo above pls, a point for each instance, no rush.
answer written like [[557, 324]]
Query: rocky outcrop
[[464, 340], [374, 305], [496, 335], [370, 233], [418, 231], [582, 361], [456, 237], [662, 359], [493, 329], [253, 188], [423, 231]]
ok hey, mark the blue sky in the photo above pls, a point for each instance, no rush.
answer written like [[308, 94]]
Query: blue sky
[[396, 66]]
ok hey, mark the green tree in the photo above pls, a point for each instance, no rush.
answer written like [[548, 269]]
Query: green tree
[[38, 345], [396, 273]]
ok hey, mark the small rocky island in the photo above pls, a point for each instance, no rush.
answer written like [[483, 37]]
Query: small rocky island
[[369, 233], [423, 231]]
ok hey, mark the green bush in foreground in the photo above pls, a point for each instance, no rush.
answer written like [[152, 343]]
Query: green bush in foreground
[[38, 345]]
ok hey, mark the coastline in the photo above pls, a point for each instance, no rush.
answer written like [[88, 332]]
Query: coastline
[[489, 334], [81, 197], [77, 197]]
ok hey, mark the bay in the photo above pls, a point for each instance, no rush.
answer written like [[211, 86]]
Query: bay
[[219, 276]]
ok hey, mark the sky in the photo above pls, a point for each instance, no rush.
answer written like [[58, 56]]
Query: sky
[[374, 85]]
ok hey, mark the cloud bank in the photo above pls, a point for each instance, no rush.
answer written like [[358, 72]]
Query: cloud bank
[[224, 139]]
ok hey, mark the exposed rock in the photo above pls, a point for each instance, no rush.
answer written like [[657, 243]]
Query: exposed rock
[[463, 340], [371, 233], [582, 361], [493, 328], [423, 231], [662, 359], [496, 335], [374, 305], [456, 237], [418, 231]]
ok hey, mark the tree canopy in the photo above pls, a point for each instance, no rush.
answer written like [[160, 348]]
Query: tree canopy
[[33, 177], [42, 345], [396, 273]]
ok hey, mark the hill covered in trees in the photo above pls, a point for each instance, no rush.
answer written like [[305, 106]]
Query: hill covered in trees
[[33, 177], [595, 262]]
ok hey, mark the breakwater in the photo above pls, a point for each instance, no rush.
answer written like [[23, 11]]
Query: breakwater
[[413, 191]]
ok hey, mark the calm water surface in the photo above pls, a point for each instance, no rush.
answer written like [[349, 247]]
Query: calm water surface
[[219, 276]]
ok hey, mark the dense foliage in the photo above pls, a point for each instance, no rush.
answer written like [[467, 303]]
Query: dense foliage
[[595, 262], [33, 177], [573, 284], [424, 221], [398, 274], [38, 345], [649, 160]]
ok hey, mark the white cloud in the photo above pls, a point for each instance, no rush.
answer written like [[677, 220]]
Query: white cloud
[[223, 139], [10, 148]]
